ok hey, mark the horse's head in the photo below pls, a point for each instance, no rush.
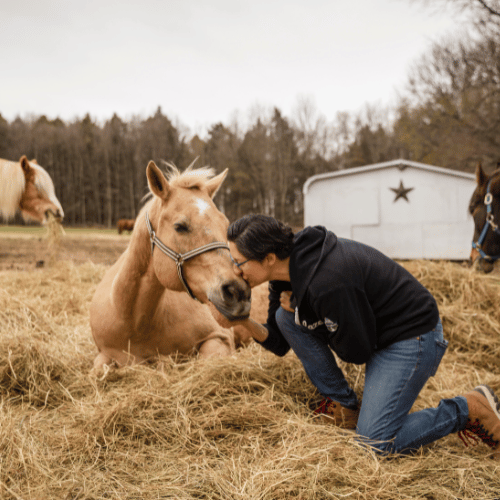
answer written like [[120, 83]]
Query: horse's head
[[189, 239], [484, 207], [38, 198]]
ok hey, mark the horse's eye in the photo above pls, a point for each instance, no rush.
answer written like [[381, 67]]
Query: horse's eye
[[181, 227]]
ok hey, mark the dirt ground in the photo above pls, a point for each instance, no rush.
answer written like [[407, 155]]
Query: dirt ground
[[24, 251]]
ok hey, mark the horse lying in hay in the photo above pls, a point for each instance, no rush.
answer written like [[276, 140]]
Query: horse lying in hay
[[26, 187], [484, 207], [125, 225], [141, 308]]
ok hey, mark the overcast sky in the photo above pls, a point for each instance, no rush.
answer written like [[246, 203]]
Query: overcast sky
[[207, 61]]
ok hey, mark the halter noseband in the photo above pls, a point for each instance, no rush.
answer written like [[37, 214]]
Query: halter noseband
[[490, 222], [178, 257]]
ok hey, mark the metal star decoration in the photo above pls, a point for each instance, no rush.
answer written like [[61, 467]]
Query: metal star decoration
[[401, 192]]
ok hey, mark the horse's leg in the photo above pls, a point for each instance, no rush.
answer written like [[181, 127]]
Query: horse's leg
[[102, 359], [215, 346], [115, 356], [241, 336]]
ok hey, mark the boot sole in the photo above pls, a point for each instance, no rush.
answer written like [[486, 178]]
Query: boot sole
[[493, 401]]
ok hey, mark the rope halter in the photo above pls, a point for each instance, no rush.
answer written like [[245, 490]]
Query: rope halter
[[180, 258]]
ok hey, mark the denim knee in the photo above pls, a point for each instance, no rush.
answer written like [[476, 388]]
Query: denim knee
[[286, 320]]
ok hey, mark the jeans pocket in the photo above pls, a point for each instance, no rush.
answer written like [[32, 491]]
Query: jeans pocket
[[441, 346]]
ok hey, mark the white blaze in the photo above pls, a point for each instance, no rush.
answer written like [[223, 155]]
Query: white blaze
[[202, 205]]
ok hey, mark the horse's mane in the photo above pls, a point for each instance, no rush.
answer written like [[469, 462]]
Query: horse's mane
[[12, 184]]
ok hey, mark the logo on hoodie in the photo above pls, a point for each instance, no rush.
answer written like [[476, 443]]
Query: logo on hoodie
[[311, 326], [331, 326]]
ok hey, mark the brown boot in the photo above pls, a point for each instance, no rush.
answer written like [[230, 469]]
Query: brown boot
[[484, 418], [334, 413]]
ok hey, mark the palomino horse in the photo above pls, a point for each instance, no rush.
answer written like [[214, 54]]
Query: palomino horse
[[26, 187], [141, 308], [125, 225], [484, 207]]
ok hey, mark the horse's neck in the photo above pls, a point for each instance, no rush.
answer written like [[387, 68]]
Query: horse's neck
[[135, 284]]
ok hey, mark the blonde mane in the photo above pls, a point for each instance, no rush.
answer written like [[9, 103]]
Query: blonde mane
[[12, 185]]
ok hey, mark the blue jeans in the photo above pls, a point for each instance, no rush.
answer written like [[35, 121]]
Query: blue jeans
[[394, 377]]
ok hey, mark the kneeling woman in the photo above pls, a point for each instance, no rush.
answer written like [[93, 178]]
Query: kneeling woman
[[329, 293]]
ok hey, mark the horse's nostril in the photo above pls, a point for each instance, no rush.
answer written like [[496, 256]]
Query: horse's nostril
[[229, 292], [232, 292]]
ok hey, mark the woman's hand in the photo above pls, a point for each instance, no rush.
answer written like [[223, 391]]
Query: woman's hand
[[285, 301]]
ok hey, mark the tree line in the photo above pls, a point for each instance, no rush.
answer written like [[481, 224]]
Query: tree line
[[448, 115]]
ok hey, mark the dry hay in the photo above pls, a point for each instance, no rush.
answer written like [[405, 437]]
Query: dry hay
[[53, 236], [469, 304], [233, 428]]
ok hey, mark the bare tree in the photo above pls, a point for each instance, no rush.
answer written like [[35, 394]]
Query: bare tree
[[485, 14]]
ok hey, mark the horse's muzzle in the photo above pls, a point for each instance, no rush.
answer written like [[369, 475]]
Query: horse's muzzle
[[57, 214], [480, 264], [232, 300], [483, 265]]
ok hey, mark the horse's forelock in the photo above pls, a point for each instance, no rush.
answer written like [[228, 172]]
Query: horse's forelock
[[43, 183], [189, 178]]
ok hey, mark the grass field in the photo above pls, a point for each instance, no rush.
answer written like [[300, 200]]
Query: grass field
[[40, 231], [26, 247]]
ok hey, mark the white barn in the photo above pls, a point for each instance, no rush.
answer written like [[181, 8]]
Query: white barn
[[405, 209]]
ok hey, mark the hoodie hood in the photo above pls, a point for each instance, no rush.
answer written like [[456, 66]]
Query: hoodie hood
[[310, 247]]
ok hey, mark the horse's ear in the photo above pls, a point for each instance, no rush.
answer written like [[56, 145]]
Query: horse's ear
[[34, 161], [157, 182], [480, 175], [214, 184], [25, 165]]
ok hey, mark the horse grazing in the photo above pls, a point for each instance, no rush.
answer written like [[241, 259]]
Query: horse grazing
[[26, 187], [484, 207], [125, 225], [141, 308]]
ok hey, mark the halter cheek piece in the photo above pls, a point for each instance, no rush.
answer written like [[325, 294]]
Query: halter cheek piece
[[179, 258], [490, 222]]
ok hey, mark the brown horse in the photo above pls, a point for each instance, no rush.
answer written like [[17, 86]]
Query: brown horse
[[141, 308], [484, 207], [125, 225], [26, 187]]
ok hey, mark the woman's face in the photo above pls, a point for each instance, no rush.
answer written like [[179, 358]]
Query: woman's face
[[252, 271]]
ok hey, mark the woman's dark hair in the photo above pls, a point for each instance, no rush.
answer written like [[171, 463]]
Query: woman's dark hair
[[256, 236]]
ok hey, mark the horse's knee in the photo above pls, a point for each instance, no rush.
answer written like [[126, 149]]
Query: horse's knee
[[102, 359], [216, 347]]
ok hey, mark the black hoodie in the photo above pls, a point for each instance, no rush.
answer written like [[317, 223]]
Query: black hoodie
[[351, 295]]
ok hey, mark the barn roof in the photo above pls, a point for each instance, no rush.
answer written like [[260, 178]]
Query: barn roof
[[401, 164]]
